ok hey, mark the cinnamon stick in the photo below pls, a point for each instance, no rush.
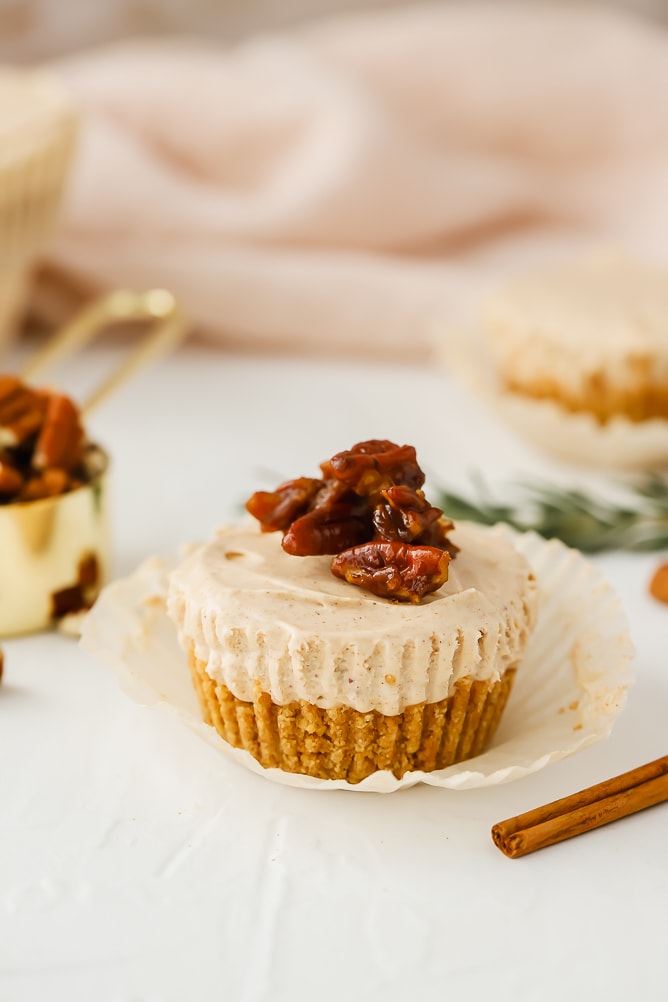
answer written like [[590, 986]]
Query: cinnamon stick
[[581, 812]]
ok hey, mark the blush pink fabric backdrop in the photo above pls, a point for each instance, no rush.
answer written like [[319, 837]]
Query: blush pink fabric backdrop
[[353, 185]]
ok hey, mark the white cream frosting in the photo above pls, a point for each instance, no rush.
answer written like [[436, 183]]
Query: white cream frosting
[[254, 614], [607, 315]]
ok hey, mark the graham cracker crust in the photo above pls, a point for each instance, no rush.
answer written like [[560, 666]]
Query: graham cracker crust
[[343, 743], [641, 400]]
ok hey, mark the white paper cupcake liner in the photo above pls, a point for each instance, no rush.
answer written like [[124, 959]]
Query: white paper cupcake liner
[[619, 444], [570, 688]]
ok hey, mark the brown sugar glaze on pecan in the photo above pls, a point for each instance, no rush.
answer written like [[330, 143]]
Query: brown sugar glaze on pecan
[[369, 512], [395, 570], [42, 443]]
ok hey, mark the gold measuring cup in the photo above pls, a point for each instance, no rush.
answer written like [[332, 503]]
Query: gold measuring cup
[[57, 549]]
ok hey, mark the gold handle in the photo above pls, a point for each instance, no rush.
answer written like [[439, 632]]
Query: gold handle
[[157, 305]]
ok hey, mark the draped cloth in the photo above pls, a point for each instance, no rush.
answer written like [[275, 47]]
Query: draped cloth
[[351, 185]]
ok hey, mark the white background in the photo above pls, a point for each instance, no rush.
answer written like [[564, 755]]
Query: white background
[[137, 865]]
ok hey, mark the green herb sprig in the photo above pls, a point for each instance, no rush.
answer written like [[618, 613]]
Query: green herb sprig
[[637, 521]]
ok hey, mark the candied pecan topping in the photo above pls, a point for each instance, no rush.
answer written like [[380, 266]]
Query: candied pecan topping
[[21, 412], [372, 466], [403, 513], [394, 570], [8, 386], [327, 529], [369, 511], [61, 438], [48, 484], [437, 535], [277, 510], [11, 480], [41, 443]]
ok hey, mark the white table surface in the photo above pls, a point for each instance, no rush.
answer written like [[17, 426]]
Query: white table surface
[[137, 865]]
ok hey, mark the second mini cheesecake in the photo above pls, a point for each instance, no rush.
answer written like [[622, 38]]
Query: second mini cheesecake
[[590, 337]]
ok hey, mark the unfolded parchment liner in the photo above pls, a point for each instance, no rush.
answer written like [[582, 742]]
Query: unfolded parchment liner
[[619, 444], [568, 693]]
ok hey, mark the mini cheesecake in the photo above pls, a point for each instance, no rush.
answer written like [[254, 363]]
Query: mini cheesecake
[[312, 675], [592, 338]]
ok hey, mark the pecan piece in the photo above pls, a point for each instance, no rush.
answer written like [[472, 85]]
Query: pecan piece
[[8, 386], [277, 510], [373, 466], [395, 570], [327, 530], [48, 484], [21, 412], [403, 514], [658, 587], [11, 480], [437, 535], [60, 442]]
